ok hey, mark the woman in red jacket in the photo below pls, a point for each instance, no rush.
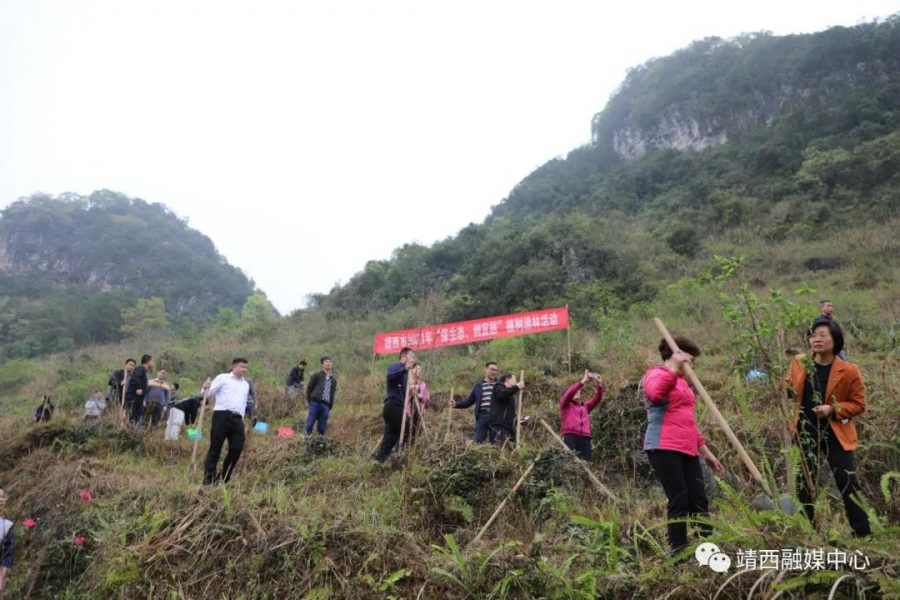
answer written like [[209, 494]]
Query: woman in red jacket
[[576, 415], [830, 394], [673, 441]]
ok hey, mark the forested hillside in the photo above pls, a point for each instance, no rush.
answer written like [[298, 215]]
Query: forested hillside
[[70, 265], [759, 140]]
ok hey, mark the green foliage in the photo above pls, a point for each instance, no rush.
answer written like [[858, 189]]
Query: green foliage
[[146, 317], [684, 241], [73, 263], [886, 483], [472, 572], [15, 373]]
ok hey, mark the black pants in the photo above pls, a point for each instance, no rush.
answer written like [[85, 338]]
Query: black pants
[[500, 434], [581, 444], [225, 426], [135, 406], [682, 479], [844, 468], [156, 411], [393, 420]]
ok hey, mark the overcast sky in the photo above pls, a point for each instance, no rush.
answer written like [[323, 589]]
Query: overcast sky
[[298, 135]]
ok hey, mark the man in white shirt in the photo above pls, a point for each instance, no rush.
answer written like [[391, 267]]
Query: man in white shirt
[[231, 391]]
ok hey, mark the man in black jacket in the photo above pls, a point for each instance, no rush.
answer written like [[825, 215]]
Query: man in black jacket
[[392, 412], [293, 383], [502, 425], [118, 382], [138, 385], [321, 391]]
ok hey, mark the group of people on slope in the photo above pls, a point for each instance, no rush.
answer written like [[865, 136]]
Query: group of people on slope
[[829, 394], [147, 401], [828, 391], [494, 399]]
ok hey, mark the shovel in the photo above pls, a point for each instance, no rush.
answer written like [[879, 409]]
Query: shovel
[[766, 503]]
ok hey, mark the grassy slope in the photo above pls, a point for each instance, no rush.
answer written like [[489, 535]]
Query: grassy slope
[[306, 518]]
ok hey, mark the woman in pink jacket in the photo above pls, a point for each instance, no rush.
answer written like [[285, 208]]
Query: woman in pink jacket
[[576, 415], [673, 441]]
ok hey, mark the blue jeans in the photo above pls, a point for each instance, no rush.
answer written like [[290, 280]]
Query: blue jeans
[[481, 427], [318, 411]]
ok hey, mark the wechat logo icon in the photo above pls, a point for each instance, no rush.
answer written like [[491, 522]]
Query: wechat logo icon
[[710, 555]]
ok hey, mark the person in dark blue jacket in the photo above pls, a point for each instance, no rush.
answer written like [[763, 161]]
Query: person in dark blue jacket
[[44, 410], [138, 387], [395, 394], [481, 397]]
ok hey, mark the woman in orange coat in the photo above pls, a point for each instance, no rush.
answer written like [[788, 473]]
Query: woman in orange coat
[[830, 394]]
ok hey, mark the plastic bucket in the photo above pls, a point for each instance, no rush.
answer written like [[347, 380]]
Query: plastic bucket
[[261, 427], [194, 434]]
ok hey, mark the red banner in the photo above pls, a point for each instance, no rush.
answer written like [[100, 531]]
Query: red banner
[[467, 332]]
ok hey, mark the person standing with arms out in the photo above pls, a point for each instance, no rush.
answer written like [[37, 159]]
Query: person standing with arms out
[[118, 382], [320, 394], [502, 424], [294, 381], [137, 388], [830, 394], [231, 391], [6, 543], [481, 397], [420, 397], [94, 406], [673, 441], [576, 415], [395, 383]]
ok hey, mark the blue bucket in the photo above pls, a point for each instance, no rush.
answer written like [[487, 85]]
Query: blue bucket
[[261, 427]]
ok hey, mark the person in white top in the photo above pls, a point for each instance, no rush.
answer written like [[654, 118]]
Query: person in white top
[[94, 406], [231, 391]]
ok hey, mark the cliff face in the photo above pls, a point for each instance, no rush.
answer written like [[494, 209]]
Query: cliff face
[[673, 131], [715, 91], [685, 126]]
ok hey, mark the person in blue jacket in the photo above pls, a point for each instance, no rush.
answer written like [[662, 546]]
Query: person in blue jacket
[[481, 396], [395, 383]]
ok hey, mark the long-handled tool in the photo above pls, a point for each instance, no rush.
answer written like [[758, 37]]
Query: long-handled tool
[[584, 465], [519, 411], [748, 462], [505, 500], [403, 420], [420, 412], [449, 415], [122, 416], [199, 428]]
